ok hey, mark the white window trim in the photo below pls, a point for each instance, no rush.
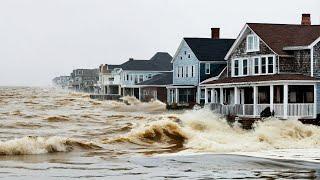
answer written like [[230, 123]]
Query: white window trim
[[252, 73], [205, 68], [255, 48]]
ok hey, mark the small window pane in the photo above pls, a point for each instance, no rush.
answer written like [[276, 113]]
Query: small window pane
[[245, 67], [270, 64], [263, 65], [236, 67], [256, 65], [207, 68]]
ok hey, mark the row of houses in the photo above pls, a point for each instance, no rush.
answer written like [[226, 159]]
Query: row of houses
[[269, 69]]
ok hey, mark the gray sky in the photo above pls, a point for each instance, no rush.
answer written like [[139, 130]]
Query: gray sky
[[40, 39]]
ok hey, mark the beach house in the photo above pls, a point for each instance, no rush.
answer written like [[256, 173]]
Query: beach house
[[196, 60], [272, 69]]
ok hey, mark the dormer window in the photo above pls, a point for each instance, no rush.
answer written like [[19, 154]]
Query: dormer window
[[253, 43]]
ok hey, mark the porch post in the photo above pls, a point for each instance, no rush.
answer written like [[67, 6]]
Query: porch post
[[271, 98], [285, 101], [255, 98], [198, 94], [205, 95], [177, 95], [139, 93], [221, 96], [212, 96], [168, 96], [236, 94], [315, 101]]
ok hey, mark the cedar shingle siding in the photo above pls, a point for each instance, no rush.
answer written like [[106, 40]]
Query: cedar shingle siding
[[316, 61], [240, 52]]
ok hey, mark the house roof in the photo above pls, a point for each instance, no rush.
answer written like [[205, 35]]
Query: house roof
[[278, 36], [159, 79], [111, 66], [207, 49], [161, 61], [262, 78]]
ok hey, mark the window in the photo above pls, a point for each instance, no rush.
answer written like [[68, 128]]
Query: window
[[149, 76], [131, 78], [177, 71], [270, 64], [207, 68], [189, 56], [245, 67], [185, 52], [181, 57], [256, 65], [140, 78], [236, 67], [192, 71], [127, 77], [263, 65], [187, 72], [182, 71], [136, 79], [252, 43]]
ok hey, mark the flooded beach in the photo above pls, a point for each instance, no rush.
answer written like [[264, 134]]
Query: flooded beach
[[50, 133]]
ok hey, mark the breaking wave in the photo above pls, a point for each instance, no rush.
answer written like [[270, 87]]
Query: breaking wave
[[42, 145], [204, 131]]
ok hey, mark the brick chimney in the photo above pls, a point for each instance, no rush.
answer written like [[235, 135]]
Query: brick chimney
[[306, 19], [215, 33]]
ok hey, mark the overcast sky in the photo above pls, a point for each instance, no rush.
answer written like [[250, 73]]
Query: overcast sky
[[41, 39]]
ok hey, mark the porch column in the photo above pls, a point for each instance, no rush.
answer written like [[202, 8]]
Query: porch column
[[168, 96], [205, 95], [177, 95], [285, 101], [119, 90], [221, 96], [271, 98], [140, 94], [212, 96], [236, 95], [255, 100], [198, 94], [315, 101]]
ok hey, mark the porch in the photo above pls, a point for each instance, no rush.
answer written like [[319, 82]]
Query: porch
[[279, 100], [182, 95]]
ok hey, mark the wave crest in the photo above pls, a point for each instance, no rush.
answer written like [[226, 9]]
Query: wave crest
[[42, 145]]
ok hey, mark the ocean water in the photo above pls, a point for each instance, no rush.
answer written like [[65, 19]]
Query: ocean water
[[47, 133]]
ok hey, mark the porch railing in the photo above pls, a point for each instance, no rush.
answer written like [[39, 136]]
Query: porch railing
[[294, 110]]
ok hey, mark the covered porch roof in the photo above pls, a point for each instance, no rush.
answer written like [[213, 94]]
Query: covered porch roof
[[262, 79]]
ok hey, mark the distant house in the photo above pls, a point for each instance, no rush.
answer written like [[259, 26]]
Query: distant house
[[196, 60], [109, 82], [84, 79], [62, 81], [155, 88], [273, 69], [134, 72]]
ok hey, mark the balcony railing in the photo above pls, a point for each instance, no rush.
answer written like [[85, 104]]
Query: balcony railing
[[294, 110]]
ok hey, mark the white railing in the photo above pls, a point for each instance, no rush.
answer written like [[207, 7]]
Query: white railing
[[294, 110], [300, 110]]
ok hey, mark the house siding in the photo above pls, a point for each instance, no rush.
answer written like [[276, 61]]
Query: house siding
[[133, 74], [215, 70], [316, 62], [185, 61], [299, 63], [240, 52]]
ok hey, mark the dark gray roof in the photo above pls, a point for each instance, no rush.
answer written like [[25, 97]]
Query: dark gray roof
[[160, 79], [161, 61], [111, 66], [207, 49]]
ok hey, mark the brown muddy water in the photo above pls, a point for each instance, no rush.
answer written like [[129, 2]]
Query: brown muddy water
[[47, 133]]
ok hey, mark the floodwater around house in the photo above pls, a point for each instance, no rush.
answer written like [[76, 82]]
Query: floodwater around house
[[50, 133]]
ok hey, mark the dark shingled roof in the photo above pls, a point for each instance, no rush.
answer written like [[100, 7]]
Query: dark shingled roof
[[278, 36], [207, 49], [111, 66], [161, 61], [274, 77], [160, 79]]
